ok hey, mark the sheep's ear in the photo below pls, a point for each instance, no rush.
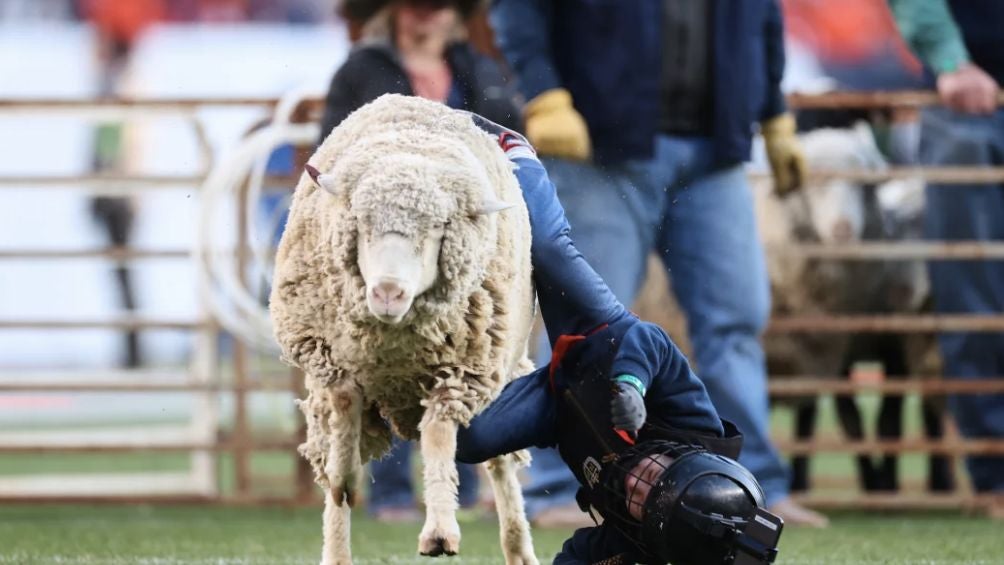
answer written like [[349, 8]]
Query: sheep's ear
[[327, 182], [493, 206]]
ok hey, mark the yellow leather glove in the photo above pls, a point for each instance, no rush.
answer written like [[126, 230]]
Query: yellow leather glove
[[787, 162], [555, 128]]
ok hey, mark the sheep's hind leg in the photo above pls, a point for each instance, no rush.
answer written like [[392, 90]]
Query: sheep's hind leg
[[514, 530], [441, 533], [342, 470]]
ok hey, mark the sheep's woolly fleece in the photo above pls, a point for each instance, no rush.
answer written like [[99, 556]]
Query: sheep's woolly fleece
[[401, 164]]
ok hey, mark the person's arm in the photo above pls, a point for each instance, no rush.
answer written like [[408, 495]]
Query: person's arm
[[787, 161], [524, 415], [774, 104], [523, 32], [573, 298], [661, 374], [929, 29]]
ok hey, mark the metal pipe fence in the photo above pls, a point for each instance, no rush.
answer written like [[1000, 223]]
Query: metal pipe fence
[[202, 379], [242, 440]]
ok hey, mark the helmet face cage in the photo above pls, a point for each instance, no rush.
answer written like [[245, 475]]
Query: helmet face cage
[[617, 503], [668, 470]]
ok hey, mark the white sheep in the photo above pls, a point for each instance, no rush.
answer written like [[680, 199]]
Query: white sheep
[[838, 211], [406, 298], [832, 211]]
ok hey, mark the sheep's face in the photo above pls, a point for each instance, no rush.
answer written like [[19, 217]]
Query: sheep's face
[[401, 221], [397, 267], [836, 207], [836, 210]]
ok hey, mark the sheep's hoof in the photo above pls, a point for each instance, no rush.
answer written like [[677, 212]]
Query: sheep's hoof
[[436, 541]]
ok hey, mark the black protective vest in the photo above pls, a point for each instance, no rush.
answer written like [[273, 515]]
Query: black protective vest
[[587, 440]]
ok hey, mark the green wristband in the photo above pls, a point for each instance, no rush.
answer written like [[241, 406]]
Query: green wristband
[[631, 380]]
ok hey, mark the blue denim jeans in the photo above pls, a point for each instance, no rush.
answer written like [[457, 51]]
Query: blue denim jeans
[[969, 212], [392, 486], [699, 219]]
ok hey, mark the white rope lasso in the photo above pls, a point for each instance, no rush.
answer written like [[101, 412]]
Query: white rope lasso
[[223, 287]]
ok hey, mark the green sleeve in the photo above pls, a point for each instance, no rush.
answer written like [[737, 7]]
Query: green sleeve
[[929, 29]]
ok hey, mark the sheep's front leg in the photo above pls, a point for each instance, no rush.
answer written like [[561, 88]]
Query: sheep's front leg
[[337, 549], [342, 471], [441, 533], [514, 530]]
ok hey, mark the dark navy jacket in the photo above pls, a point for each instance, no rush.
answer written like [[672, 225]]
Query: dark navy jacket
[[981, 23], [607, 53]]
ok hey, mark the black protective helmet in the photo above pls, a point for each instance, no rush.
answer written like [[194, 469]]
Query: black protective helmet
[[696, 510], [698, 498]]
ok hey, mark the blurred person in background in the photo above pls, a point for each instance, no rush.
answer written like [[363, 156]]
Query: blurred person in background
[[855, 41], [962, 41], [118, 25], [857, 47], [418, 48], [644, 112]]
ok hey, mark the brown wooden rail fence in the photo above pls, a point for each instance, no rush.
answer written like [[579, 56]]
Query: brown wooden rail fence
[[202, 378], [241, 442]]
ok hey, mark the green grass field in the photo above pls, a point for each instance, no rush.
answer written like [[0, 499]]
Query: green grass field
[[145, 535]]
